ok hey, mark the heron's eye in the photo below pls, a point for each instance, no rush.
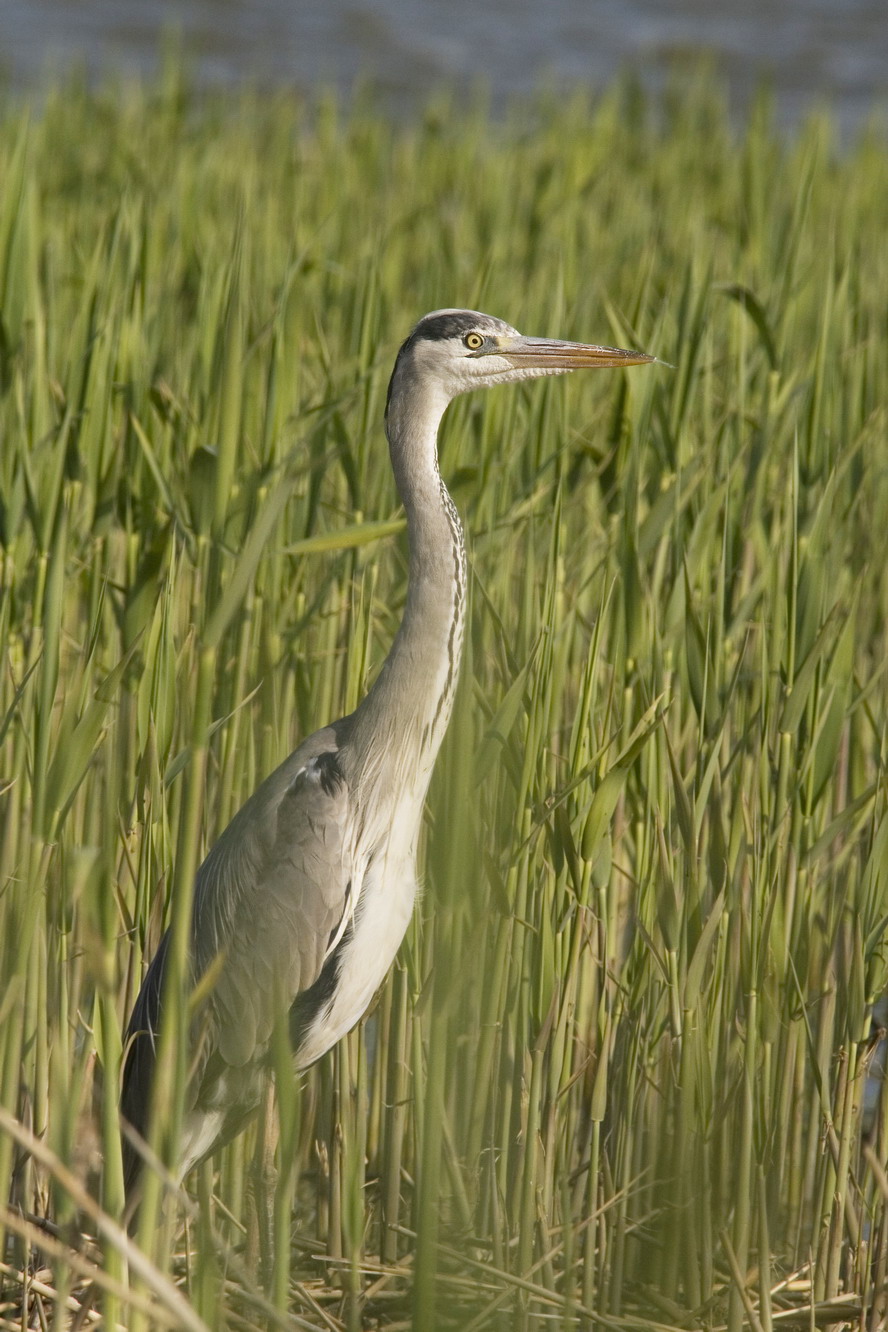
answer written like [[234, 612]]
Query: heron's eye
[[473, 341]]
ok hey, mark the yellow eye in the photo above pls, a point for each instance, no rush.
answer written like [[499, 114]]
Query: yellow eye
[[473, 341]]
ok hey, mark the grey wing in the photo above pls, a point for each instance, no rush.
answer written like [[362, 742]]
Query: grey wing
[[271, 900]]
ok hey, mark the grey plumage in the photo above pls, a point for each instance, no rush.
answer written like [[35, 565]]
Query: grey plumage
[[301, 904]]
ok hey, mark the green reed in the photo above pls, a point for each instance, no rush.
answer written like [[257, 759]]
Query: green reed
[[617, 1072]]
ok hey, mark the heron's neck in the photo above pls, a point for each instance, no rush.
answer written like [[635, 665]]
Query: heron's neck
[[402, 720]]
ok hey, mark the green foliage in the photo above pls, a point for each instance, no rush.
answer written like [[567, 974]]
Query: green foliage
[[618, 1070]]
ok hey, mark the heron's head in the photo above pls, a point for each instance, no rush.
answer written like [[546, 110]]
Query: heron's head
[[452, 351]]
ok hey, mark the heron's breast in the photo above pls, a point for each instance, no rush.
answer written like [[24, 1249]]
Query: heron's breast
[[382, 914]]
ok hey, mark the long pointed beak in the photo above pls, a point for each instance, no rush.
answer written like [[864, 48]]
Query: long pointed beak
[[546, 354]]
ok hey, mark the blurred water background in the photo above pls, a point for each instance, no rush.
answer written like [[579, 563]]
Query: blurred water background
[[811, 53]]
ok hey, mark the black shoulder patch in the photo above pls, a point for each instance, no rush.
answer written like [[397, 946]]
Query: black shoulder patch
[[324, 770], [330, 774]]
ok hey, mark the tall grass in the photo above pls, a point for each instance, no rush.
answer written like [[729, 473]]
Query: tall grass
[[616, 1075]]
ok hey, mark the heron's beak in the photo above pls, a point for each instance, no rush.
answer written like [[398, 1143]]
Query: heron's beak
[[545, 354]]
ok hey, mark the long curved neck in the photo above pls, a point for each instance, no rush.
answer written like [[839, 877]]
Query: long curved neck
[[400, 724]]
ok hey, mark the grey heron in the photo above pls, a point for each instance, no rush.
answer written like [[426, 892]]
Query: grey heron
[[302, 903]]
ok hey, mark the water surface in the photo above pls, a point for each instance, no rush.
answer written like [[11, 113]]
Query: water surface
[[812, 52]]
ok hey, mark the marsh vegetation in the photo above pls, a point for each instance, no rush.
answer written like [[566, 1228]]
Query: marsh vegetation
[[617, 1074]]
